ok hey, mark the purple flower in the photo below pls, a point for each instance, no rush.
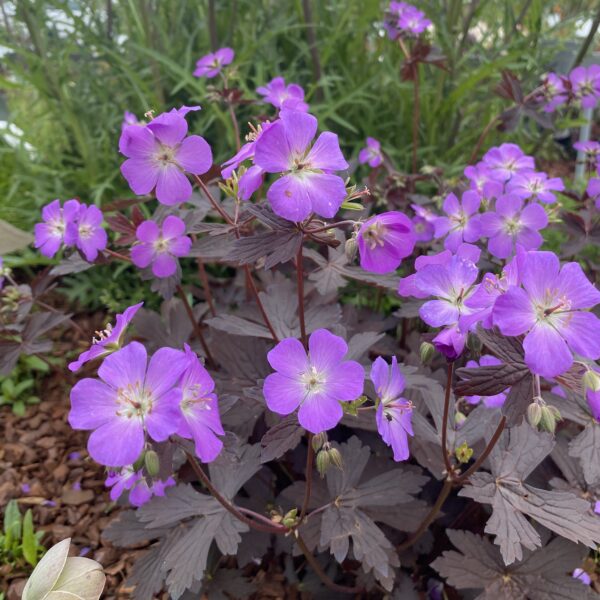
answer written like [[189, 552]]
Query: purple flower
[[108, 340], [201, 421], [210, 65], [129, 118], [483, 181], [25, 488], [50, 234], [127, 479], [582, 576], [131, 399], [86, 233], [554, 92], [593, 400], [507, 160], [495, 401], [536, 186], [384, 240], [308, 184], [550, 312], [585, 82], [160, 246], [513, 224], [462, 222], [3, 272], [394, 413], [371, 153], [593, 190], [158, 156], [592, 153], [413, 21], [281, 96], [423, 223], [316, 382]]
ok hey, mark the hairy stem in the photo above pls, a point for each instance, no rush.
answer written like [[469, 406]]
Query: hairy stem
[[310, 456], [328, 227], [445, 456], [236, 127], [234, 510], [327, 581], [490, 446], [261, 306], [197, 329], [431, 515], [117, 255], [300, 286], [206, 287], [213, 201], [415, 120]]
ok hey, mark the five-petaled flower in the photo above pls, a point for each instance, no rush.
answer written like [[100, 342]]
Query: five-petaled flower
[[394, 413], [127, 479], [384, 240], [462, 222], [308, 184], [315, 382], [159, 155], [132, 398], [371, 153], [211, 64], [86, 233], [551, 311], [537, 186], [160, 246], [50, 235], [585, 82], [281, 96], [507, 160]]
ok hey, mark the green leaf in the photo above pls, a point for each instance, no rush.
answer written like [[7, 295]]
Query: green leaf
[[19, 408], [351, 206], [29, 543], [12, 523], [36, 363]]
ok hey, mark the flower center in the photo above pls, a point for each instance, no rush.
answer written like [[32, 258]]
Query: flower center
[[512, 226], [374, 235], [134, 401], [57, 227], [193, 399], [161, 245], [85, 231], [551, 306], [102, 335], [313, 380], [165, 156], [459, 220], [395, 408]]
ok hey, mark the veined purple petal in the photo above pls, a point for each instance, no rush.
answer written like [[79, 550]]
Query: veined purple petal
[[326, 154], [172, 227], [117, 443], [289, 357], [142, 254], [581, 333], [172, 185], [124, 367], [514, 313], [164, 265], [141, 175], [194, 155], [164, 418], [164, 370], [326, 349], [283, 394], [574, 285], [546, 352], [93, 403], [320, 412], [300, 129], [169, 128]]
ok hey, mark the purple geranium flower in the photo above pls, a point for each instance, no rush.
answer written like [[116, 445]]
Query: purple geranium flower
[[160, 246], [135, 481], [585, 82], [394, 413], [384, 240], [3, 272], [308, 184], [496, 400], [86, 233], [507, 160], [591, 150], [50, 234], [201, 421], [281, 96], [132, 399], [423, 223], [130, 118], [413, 21], [554, 92], [513, 224], [371, 153], [551, 312], [582, 576], [108, 340], [593, 400], [537, 186], [593, 190], [462, 222], [316, 382], [483, 181], [210, 65], [158, 156]]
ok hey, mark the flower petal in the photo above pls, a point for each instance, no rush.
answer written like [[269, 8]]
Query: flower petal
[[320, 412], [141, 175], [326, 154], [93, 403], [288, 357], [546, 352], [326, 350], [172, 186], [194, 155], [581, 333], [117, 443], [513, 312], [124, 367], [283, 394]]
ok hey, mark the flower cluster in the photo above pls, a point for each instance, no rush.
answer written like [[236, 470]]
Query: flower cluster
[[581, 87], [402, 19], [73, 225]]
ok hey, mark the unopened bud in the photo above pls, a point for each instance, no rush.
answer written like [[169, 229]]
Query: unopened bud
[[327, 457], [152, 463], [290, 519], [427, 350], [459, 419], [534, 414], [139, 463], [463, 453], [323, 462], [318, 440], [350, 248], [336, 458], [550, 416], [591, 381]]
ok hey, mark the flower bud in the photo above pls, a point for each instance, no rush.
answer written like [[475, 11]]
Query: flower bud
[[327, 457], [336, 458], [152, 463], [550, 416], [318, 440], [591, 381], [323, 462], [290, 519], [350, 248], [427, 350], [459, 419], [140, 462], [534, 414], [463, 453]]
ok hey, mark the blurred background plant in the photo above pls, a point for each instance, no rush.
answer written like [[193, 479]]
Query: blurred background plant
[[71, 67]]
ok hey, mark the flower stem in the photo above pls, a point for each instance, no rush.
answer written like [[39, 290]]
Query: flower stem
[[196, 326], [117, 255], [309, 476], [259, 303], [445, 456], [234, 510], [416, 119], [236, 127], [300, 286], [213, 201], [206, 287], [327, 581], [328, 227]]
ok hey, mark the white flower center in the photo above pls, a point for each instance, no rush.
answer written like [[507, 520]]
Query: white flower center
[[313, 380], [193, 400], [374, 235], [134, 401]]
